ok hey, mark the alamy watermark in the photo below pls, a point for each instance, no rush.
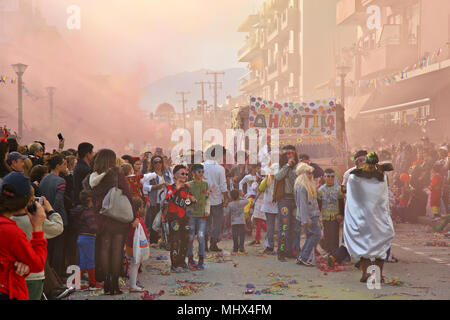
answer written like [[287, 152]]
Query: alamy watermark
[[254, 141], [74, 19]]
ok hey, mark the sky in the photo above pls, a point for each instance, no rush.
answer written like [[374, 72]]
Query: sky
[[164, 36]]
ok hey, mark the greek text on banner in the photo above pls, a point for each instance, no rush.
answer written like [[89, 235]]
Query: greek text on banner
[[311, 118]]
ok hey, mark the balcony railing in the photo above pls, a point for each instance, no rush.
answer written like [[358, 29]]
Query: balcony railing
[[248, 46], [253, 77]]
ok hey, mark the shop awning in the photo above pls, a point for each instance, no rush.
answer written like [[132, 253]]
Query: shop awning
[[407, 94], [399, 107]]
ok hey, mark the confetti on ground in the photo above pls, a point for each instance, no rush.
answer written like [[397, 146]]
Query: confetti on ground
[[322, 265], [189, 287], [437, 243], [156, 270], [152, 296], [395, 282]]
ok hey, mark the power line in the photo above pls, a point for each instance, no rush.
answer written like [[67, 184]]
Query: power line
[[202, 83], [183, 101], [216, 83]]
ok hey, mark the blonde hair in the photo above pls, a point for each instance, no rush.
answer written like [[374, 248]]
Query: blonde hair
[[71, 162], [119, 162], [302, 179], [126, 169]]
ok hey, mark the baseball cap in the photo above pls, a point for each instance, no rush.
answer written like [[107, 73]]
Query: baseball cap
[[13, 156], [15, 185]]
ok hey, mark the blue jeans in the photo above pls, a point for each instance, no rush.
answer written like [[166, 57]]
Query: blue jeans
[[86, 247], [197, 224], [289, 227], [215, 222], [270, 220], [312, 239]]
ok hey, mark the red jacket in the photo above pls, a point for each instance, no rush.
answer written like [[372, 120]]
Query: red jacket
[[14, 246], [436, 190]]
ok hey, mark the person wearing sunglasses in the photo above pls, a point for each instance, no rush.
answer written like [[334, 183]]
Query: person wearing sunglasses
[[331, 205], [174, 211]]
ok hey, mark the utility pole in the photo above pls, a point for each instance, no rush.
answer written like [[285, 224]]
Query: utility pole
[[202, 83], [183, 101], [215, 74], [51, 91]]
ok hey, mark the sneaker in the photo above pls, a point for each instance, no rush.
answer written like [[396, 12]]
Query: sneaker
[[303, 263], [331, 260], [254, 243], [268, 250], [200, 265], [191, 262], [95, 287], [137, 289], [242, 250]]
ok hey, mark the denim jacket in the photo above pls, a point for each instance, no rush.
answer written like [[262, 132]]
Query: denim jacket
[[306, 208]]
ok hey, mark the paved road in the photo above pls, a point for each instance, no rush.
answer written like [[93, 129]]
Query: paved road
[[425, 269]]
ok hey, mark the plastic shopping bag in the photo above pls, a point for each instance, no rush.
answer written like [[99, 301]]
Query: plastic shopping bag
[[141, 250]]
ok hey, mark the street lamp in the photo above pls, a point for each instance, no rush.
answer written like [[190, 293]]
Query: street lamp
[[51, 92], [20, 68], [343, 70]]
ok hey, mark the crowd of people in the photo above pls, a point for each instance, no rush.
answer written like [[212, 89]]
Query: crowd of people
[[86, 207]]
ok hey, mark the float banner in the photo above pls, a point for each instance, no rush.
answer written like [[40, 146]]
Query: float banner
[[305, 118]]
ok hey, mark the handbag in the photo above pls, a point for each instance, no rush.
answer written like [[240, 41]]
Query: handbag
[[116, 206]]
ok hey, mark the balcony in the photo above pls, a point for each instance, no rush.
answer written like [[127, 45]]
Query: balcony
[[272, 30], [246, 53], [350, 13], [250, 81], [289, 62], [290, 18], [272, 71], [387, 58]]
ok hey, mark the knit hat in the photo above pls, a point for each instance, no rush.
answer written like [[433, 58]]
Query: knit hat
[[372, 158]]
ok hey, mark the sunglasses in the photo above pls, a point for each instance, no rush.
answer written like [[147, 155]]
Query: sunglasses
[[198, 171], [329, 176], [183, 174], [156, 162]]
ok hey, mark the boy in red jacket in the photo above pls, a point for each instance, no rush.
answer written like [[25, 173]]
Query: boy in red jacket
[[18, 255]]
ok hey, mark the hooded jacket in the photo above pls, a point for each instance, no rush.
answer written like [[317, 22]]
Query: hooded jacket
[[99, 185], [14, 246]]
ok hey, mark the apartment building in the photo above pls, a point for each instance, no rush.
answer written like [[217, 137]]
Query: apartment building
[[290, 48], [400, 69]]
